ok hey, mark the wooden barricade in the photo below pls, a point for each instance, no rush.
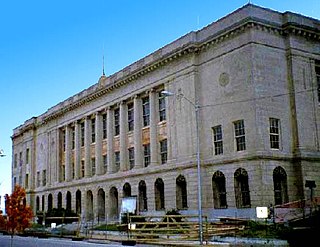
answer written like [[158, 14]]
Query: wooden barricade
[[166, 227]]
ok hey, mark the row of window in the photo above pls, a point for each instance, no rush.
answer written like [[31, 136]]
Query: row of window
[[240, 138], [27, 158], [116, 113], [131, 160]]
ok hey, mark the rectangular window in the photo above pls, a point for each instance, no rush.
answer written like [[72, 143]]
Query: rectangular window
[[104, 126], [27, 181], [163, 151], [44, 177], [82, 133], [146, 111], [82, 168], [63, 137], [130, 117], [117, 160], [116, 122], [274, 133], [217, 140], [73, 170], [38, 179], [73, 136], [14, 181], [93, 130], [62, 172], [240, 135], [317, 69], [146, 153], [162, 107], [93, 166], [27, 156], [131, 157], [15, 160], [20, 159], [105, 163]]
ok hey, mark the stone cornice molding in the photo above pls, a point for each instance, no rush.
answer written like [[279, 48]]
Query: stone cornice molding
[[190, 44]]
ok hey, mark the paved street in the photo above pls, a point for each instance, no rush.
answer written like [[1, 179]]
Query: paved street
[[49, 242]]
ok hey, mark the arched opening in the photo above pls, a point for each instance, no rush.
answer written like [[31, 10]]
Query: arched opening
[[181, 193], [114, 208], [50, 202], [68, 199], [241, 188], [78, 202], [280, 186], [90, 215], [219, 190], [159, 194], [126, 190], [37, 203], [101, 205], [143, 200], [59, 200], [42, 203]]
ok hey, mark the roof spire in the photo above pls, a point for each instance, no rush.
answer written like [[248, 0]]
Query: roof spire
[[103, 65], [103, 59]]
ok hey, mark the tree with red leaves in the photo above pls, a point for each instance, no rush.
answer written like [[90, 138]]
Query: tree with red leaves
[[18, 214]]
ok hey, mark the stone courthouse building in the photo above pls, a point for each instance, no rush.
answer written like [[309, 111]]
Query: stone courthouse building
[[252, 78]]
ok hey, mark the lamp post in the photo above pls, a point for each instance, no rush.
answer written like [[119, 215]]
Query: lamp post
[[196, 110]]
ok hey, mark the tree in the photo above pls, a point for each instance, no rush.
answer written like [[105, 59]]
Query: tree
[[18, 214]]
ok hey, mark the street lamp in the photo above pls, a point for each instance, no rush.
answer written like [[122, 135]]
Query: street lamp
[[196, 109]]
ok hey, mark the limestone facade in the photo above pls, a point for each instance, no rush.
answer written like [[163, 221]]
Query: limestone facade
[[253, 77]]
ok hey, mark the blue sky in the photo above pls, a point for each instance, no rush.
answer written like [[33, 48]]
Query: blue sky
[[53, 49]]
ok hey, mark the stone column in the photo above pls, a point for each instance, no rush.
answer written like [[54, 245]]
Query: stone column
[[110, 134], [68, 164], [137, 133], [98, 147], [153, 128], [123, 137], [77, 151], [87, 141]]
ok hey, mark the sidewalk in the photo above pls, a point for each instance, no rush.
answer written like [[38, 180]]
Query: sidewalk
[[109, 237]]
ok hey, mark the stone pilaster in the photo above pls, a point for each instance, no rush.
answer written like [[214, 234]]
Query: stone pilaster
[[68, 164], [87, 141], [98, 147], [137, 133], [77, 151], [110, 146], [123, 137], [153, 128]]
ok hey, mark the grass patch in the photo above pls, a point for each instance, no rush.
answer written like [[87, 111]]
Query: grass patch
[[107, 227]]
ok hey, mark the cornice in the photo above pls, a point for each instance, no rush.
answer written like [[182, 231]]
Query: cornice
[[191, 47]]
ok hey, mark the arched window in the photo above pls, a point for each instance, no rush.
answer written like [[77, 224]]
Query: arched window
[[59, 200], [126, 190], [89, 205], [159, 194], [113, 204], [42, 203], [101, 205], [280, 186], [68, 199], [78, 202], [50, 202], [219, 190], [37, 203], [143, 200], [241, 188], [181, 193]]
